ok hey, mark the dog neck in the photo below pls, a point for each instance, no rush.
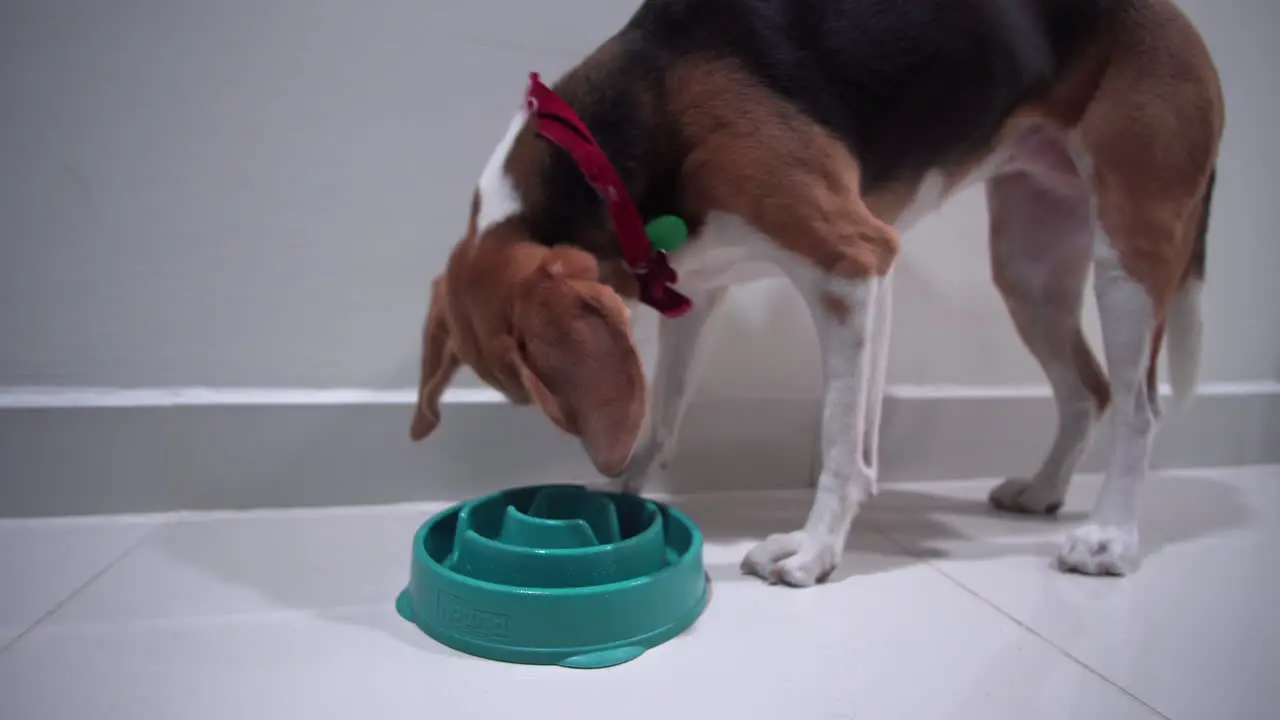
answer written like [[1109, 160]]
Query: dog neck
[[618, 94]]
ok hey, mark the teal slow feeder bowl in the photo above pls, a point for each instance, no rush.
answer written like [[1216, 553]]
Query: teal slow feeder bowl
[[556, 575]]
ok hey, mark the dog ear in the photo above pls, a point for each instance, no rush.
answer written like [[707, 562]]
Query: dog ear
[[439, 363], [576, 358]]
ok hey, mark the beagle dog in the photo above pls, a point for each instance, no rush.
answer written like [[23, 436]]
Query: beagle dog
[[803, 137]]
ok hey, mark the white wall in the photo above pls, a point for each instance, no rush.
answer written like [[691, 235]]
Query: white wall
[[256, 193]]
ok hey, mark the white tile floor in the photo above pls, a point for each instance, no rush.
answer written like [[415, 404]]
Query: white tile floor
[[941, 610]]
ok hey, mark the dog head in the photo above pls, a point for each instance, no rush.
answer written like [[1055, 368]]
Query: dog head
[[538, 324]]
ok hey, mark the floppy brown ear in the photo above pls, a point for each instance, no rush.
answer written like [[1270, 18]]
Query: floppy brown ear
[[439, 363], [576, 359]]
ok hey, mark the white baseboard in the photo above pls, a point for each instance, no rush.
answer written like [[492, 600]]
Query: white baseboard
[[81, 451]]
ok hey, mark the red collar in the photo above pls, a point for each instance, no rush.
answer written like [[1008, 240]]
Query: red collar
[[556, 121]]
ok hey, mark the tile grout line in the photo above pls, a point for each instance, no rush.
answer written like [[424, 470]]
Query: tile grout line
[[238, 616], [110, 565], [1027, 628]]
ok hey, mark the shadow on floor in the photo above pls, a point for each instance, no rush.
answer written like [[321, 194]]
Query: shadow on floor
[[903, 527], [733, 523], [1175, 508]]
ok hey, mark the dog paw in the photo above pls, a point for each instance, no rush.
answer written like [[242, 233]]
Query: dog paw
[[793, 558], [1026, 497], [1100, 550]]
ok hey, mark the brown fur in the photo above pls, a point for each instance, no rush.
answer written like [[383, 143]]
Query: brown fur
[[1152, 129], [759, 158]]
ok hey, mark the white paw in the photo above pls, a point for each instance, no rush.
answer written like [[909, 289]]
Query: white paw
[[1100, 550], [793, 558], [1019, 495]]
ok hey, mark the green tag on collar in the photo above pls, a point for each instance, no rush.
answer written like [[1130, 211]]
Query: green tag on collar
[[667, 232]]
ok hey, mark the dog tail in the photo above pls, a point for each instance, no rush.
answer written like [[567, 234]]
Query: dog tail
[[1184, 323]]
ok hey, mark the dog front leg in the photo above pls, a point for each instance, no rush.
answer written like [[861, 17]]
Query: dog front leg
[[845, 313], [682, 346]]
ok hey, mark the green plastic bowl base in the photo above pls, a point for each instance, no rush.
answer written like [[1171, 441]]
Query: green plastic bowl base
[[555, 575]]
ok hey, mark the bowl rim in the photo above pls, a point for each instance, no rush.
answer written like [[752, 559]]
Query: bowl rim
[[653, 528], [422, 557]]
